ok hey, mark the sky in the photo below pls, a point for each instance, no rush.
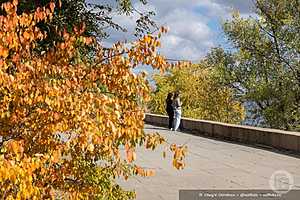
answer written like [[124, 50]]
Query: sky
[[195, 26]]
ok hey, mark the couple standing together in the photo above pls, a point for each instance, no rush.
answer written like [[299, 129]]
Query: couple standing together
[[174, 110]]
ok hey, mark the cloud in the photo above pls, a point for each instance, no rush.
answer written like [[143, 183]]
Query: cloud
[[186, 39], [194, 25], [244, 6]]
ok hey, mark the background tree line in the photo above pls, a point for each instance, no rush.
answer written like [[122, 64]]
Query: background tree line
[[263, 72], [202, 96]]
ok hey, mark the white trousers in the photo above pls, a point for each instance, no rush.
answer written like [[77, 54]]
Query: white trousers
[[177, 118]]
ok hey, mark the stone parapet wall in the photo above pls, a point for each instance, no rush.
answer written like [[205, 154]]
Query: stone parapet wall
[[244, 134]]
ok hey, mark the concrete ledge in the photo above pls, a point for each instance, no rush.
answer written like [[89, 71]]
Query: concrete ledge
[[245, 134]]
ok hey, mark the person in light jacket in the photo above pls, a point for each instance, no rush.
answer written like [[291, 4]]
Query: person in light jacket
[[177, 110]]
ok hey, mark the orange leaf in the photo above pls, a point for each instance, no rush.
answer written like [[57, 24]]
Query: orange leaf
[[15, 2], [26, 35], [52, 6], [56, 116], [131, 155], [4, 52]]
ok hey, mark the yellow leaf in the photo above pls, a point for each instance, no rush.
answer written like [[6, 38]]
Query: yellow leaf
[[55, 156], [91, 147]]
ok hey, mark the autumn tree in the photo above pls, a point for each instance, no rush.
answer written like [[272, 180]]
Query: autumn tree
[[96, 17], [267, 64], [65, 119], [203, 97]]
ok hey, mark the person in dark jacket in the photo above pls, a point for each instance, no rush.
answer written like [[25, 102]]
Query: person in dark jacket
[[170, 109]]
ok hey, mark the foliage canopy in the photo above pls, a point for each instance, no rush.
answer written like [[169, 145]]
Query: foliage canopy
[[267, 65]]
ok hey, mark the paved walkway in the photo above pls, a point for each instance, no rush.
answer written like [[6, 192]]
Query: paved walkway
[[211, 164]]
